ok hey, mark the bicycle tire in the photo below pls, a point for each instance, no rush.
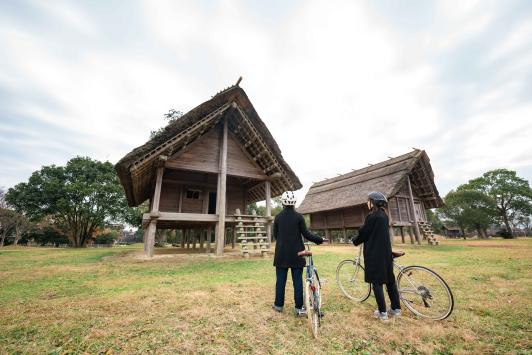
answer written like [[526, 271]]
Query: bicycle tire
[[354, 291], [426, 292], [310, 309]]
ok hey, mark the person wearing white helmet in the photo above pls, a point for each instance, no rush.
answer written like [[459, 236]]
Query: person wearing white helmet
[[288, 227], [378, 259]]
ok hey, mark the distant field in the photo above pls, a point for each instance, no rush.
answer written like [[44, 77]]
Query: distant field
[[110, 300]]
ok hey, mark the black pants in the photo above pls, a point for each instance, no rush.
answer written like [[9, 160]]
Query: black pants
[[393, 293], [297, 280]]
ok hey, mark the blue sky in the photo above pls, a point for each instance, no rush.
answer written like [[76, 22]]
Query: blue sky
[[340, 84]]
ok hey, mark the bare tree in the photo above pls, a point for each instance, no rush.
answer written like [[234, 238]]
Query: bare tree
[[3, 203], [7, 224]]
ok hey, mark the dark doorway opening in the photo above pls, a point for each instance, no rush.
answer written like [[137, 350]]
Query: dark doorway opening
[[212, 203]]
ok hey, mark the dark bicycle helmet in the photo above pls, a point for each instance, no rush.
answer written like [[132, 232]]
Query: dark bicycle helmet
[[378, 199]]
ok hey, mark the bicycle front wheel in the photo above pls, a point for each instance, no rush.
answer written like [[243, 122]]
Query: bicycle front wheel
[[350, 279], [425, 293], [310, 305]]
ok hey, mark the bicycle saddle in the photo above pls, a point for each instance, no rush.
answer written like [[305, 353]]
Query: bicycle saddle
[[397, 254], [304, 253]]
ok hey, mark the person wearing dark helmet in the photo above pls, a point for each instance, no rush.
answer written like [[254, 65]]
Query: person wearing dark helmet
[[378, 259], [288, 227]]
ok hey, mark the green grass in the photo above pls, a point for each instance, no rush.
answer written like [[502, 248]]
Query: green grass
[[101, 300]]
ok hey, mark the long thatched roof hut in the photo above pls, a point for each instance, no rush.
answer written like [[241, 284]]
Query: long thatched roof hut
[[407, 181]]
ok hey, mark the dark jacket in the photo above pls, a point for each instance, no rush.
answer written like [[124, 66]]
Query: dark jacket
[[288, 227], [378, 260]]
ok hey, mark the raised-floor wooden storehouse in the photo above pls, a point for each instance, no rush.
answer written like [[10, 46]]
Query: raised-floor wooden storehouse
[[215, 159], [339, 203]]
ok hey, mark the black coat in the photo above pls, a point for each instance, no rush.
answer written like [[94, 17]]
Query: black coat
[[288, 227], [378, 260]]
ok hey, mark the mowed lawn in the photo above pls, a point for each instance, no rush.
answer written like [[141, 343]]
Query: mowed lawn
[[112, 301]]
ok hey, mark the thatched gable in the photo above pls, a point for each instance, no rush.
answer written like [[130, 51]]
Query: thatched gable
[[136, 169], [388, 177]]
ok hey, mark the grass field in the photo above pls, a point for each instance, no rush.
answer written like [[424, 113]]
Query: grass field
[[110, 300]]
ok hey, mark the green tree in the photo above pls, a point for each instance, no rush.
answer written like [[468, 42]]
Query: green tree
[[82, 196], [8, 221], [469, 209], [511, 194]]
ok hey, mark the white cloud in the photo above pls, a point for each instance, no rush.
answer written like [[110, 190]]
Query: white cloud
[[338, 86]]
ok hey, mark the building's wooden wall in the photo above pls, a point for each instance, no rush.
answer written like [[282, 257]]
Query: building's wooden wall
[[176, 183], [203, 155]]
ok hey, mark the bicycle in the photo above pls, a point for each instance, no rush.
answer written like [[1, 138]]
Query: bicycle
[[312, 292], [422, 291]]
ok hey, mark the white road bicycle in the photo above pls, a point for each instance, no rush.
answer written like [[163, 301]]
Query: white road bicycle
[[312, 292], [421, 290]]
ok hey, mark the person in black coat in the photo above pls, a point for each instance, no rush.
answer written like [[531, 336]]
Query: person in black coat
[[288, 227], [378, 259]]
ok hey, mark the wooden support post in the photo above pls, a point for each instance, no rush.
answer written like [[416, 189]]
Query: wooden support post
[[344, 233], [149, 239], [411, 235], [193, 234], [268, 189], [182, 238], [416, 227], [402, 235], [391, 234], [201, 240], [328, 235], [233, 237], [222, 177], [209, 238]]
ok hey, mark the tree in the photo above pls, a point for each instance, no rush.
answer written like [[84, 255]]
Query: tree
[[7, 224], [21, 226], [469, 209], [512, 195], [82, 196], [169, 117], [3, 203]]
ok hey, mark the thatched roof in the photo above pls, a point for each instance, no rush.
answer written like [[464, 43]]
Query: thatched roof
[[388, 177], [136, 169]]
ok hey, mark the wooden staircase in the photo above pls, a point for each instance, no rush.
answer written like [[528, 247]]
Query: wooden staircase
[[426, 230], [251, 234]]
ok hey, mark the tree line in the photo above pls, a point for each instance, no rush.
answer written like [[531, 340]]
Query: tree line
[[497, 198], [75, 203], [80, 201]]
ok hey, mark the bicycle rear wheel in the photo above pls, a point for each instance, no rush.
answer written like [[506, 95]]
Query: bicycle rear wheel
[[350, 279], [425, 293]]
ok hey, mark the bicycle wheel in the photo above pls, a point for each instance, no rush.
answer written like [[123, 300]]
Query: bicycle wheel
[[350, 279], [425, 293], [312, 316]]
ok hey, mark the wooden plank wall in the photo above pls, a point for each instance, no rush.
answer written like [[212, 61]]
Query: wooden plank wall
[[175, 184]]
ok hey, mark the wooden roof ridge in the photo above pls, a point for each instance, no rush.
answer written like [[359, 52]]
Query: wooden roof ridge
[[368, 169]]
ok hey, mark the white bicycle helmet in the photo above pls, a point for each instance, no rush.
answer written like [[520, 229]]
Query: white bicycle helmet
[[288, 198]]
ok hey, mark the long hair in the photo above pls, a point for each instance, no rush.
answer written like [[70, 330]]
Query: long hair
[[375, 208]]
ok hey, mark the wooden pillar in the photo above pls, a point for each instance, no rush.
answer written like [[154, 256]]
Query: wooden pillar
[[328, 235], [411, 235], [344, 232], [182, 238], [233, 237], [201, 240], [209, 238], [268, 190], [193, 236], [416, 227], [391, 234], [402, 235], [149, 239], [221, 193]]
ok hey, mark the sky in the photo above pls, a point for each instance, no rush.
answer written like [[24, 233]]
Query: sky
[[340, 84]]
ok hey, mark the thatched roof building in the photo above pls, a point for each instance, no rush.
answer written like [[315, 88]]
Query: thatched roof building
[[339, 202], [214, 160]]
